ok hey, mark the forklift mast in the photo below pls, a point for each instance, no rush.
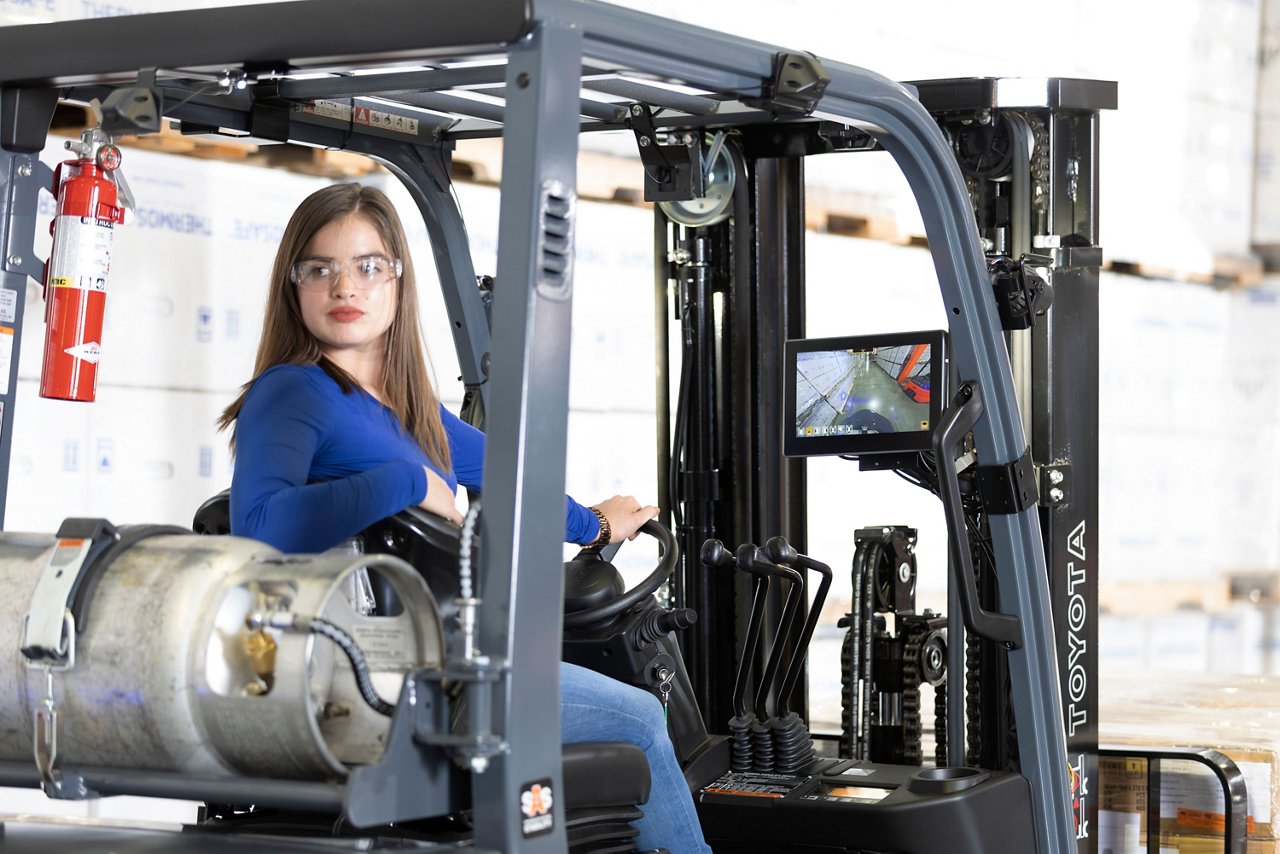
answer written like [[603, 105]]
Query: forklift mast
[[1028, 152]]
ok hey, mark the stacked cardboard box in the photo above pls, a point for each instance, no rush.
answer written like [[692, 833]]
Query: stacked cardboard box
[[1238, 716]]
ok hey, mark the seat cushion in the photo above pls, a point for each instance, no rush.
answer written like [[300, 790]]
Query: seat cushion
[[604, 775]]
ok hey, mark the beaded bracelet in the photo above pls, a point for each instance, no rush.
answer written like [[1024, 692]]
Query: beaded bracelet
[[602, 539]]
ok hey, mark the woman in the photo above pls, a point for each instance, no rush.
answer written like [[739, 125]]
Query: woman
[[340, 427]]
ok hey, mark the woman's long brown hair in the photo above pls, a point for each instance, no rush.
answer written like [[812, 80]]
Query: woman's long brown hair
[[407, 389]]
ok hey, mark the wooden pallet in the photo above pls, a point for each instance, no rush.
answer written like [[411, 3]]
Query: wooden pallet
[[170, 141], [69, 120], [320, 162], [1138, 598], [1229, 272], [601, 177], [849, 223], [849, 213]]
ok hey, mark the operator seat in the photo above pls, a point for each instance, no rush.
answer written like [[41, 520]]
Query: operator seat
[[603, 782]]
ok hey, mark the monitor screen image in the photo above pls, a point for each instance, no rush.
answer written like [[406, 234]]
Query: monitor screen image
[[865, 394]]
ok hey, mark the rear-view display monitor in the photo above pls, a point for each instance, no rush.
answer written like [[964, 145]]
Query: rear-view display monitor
[[863, 394]]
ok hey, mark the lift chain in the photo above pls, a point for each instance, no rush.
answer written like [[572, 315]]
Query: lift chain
[[1041, 171], [973, 699], [914, 632], [940, 724], [848, 689]]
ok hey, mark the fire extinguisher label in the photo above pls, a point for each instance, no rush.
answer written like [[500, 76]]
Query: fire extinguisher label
[[81, 253], [87, 351]]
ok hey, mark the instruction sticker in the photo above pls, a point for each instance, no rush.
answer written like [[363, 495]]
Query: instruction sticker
[[1190, 794], [81, 254], [8, 305], [6, 357], [328, 109]]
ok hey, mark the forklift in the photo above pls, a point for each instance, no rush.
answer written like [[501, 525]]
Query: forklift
[[1005, 175]]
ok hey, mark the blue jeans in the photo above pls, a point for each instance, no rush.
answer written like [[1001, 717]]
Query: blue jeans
[[597, 708]]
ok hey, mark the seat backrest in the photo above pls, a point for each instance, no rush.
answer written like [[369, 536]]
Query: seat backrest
[[214, 516]]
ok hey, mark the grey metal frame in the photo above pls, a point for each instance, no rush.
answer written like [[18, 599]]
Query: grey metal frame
[[1055, 363], [546, 50]]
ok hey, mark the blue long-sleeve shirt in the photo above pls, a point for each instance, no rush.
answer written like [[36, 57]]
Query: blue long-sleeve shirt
[[315, 466]]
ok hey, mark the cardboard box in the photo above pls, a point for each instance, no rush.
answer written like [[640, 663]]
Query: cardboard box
[[1123, 801], [1234, 714], [1211, 845]]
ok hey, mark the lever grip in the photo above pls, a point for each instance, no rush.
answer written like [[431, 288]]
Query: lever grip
[[957, 421]]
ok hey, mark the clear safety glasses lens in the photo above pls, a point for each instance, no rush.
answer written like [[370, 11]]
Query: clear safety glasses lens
[[365, 273]]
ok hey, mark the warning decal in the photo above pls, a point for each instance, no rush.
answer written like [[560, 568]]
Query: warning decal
[[386, 121], [536, 801], [360, 115]]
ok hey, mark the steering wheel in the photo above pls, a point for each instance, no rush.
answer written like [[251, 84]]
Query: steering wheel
[[624, 602]]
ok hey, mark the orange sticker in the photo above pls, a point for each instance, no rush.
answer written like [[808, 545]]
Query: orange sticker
[[1205, 820]]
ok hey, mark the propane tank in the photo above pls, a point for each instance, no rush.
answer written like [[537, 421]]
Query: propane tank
[[88, 209], [168, 671]]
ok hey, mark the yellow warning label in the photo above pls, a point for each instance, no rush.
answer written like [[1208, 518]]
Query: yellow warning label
[[62, 282]]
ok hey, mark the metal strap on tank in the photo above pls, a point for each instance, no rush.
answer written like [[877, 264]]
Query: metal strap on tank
[[48, 633], [59, 608], [49, 641]]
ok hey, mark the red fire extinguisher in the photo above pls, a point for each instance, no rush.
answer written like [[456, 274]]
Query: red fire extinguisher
[[75, 287]]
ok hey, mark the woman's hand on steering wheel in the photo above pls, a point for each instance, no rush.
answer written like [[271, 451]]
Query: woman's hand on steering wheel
[[625, 515]]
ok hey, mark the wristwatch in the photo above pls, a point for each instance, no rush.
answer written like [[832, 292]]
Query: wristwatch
[[602, 539]]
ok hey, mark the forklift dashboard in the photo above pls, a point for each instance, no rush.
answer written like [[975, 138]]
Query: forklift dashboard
[[863, 394]]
